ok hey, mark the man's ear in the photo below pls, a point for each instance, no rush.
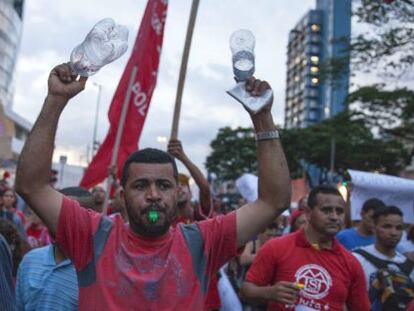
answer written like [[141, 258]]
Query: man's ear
[[308, 212]]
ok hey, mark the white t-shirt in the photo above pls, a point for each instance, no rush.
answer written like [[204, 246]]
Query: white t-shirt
[[370, 269], [405, 247]]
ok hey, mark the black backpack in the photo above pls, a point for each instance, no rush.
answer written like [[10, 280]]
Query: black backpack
[[391, 289]]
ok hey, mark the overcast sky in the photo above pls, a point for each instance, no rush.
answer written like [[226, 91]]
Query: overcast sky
[[52, 28]]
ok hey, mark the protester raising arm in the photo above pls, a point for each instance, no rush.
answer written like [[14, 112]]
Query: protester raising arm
[[175, 148], [274, 181], [33, 170]]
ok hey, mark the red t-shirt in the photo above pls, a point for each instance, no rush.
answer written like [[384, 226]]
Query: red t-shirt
[[119, 270], [332, 277], [38, 236], [213, 297]]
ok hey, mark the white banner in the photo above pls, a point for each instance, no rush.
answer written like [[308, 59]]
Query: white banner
[[228, 297], [247, 185], [391, 190]]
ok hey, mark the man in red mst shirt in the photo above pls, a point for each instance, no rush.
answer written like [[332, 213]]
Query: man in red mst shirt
[[146, 265], [309, 269]]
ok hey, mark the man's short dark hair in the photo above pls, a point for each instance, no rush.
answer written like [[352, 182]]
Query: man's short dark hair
[[324, 189], [372, 204], [82, 195], [385, 211], [148, 156]]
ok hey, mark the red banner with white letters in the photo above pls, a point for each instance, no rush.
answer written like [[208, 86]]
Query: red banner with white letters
[[146, 56]]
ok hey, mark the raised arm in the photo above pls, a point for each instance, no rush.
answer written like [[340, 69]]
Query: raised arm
[[33, 169], [274, 181], [175, 148]]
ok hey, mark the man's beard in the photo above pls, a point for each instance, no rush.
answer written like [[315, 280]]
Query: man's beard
[[148, 229]]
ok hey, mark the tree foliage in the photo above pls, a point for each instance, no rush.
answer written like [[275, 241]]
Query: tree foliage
[[391, 112], [355, 146], [234, 151], [388, 42]]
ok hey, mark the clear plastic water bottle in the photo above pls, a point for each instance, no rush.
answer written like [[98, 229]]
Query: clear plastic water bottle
[[242, 44], [105, 43]]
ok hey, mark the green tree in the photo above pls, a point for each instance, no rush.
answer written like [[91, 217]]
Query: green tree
[[233, 153], [387, 44], [389, 111], [234, 150], [356, 146]]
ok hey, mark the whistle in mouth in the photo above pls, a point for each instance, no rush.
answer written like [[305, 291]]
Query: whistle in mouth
[[153, 216]]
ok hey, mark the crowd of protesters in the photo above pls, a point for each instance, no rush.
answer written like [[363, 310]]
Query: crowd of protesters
[[155, 247]]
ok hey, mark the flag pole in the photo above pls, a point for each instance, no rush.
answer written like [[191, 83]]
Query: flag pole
[[118, 137], [183, 69]]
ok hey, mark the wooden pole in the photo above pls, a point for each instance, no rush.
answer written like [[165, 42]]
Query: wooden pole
[[183, 69], [118, 137]]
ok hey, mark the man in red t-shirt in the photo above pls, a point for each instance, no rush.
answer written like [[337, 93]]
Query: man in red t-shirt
[[185, 208], [146, 265], [309, 269], [187, 214]]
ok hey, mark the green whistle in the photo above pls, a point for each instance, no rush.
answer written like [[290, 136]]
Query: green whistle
[[153, 216]]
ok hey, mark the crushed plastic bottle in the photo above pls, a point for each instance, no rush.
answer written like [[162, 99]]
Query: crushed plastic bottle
[[242, 44], [105, 43]]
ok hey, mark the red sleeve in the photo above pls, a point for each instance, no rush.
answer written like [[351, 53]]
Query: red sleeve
[[75, 231], [358, 294], [261, 271], [220, 240]]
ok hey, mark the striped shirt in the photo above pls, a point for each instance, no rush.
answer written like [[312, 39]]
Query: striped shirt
[[44, 285], [6, 278]]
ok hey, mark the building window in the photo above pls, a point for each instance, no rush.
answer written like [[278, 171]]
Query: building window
[[313, 104], [311, 92], [312, 115], [314, 49], [314, 69], [314, 59], [315, 28]]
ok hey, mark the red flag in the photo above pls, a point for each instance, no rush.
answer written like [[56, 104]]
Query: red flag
[[146, 56]]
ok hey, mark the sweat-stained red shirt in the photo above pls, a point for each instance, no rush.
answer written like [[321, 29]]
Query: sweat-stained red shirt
[[120, 270], [213, 296], [332, 277]]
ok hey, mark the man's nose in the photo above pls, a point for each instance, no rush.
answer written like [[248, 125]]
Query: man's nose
[[394, 232], [153, 193], [334, 215]]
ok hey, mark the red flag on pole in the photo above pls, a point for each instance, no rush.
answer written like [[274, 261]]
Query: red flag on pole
[[145, 57]]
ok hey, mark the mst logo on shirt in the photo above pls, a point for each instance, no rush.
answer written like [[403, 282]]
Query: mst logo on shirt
[[316, 281]]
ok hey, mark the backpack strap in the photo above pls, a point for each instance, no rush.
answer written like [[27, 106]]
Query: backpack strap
[[407, 266], [377, 262]]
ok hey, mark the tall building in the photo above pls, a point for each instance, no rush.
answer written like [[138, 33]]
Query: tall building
[[10, 34], [322, 34], [13, 128]]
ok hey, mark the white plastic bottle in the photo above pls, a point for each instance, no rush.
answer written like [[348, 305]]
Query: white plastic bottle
[[242, 44], [105, 43]]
